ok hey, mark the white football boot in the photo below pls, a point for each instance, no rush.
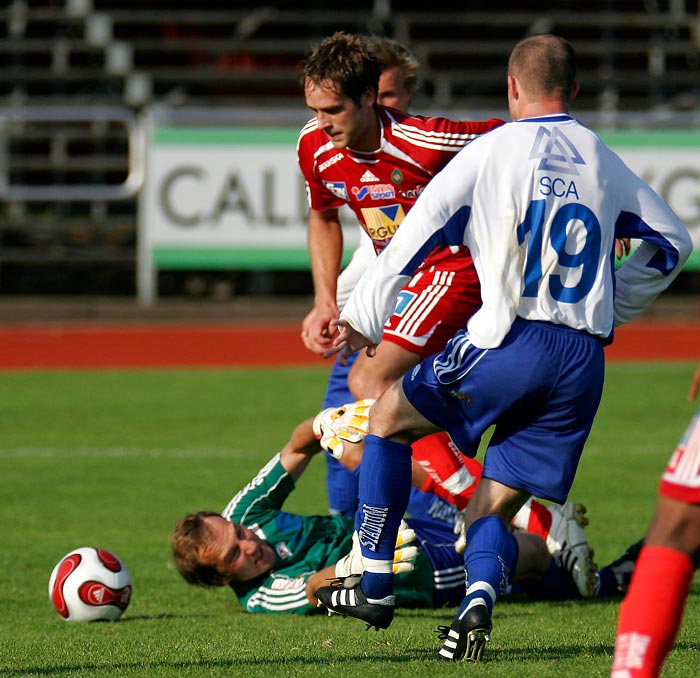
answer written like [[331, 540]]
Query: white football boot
[[567, 540]]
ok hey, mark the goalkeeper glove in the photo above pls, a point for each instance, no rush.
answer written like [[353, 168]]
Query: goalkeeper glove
[[404, 556], [460, 529], [336, 425], [406, 551]]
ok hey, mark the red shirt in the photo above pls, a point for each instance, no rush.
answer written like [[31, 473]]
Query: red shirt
[[381, 186]]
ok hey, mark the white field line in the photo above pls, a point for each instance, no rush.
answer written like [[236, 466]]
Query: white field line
[[30, 452], [233, 453]]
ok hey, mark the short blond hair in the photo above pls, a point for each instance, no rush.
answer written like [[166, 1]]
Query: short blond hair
[[392, 54]]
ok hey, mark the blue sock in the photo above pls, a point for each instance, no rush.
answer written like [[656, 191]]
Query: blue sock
[[385, 486], [608, 585], [341, 483], [490, 559], [342, 486]]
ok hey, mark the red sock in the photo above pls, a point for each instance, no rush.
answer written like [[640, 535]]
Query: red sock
[[448, 469], [652, 611], [540, 520], [430, 485]]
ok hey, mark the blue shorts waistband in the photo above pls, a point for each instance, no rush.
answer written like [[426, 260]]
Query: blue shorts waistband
[[548, 324]]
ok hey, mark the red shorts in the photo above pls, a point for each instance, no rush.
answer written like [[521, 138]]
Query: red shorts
[[435, 303], [681, 479]]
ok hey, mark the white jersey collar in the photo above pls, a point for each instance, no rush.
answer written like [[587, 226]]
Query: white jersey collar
[[552, 117]]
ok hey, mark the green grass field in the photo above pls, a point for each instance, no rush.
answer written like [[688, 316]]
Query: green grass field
[[114, 459]]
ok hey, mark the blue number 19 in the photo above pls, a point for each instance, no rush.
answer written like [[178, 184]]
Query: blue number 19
[[587, 258]]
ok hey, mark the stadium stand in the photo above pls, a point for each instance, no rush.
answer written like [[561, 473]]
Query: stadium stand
[[77, 74]]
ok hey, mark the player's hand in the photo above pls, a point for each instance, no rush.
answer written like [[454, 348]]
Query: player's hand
[[352, 562], [317, 334], [694, 385], [622, 247], [348, 340]]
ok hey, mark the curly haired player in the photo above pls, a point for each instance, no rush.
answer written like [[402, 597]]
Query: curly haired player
[[359, 153]]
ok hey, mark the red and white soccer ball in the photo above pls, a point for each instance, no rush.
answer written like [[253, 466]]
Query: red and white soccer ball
[[90, 584]]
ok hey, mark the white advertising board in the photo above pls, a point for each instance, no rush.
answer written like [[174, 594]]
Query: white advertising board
[[233, 197]]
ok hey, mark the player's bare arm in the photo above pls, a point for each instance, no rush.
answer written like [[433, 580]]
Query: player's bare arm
[[325, 251], [299, 449], [316, 580]]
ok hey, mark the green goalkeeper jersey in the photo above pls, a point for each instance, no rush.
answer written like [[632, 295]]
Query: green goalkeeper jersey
[[303, 545]]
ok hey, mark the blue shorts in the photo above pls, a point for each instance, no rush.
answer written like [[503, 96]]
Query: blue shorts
[[438, 542], [428, 507], [540, 388]]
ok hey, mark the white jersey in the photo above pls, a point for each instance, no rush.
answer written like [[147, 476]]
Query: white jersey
[[349, 277], [539, 202]]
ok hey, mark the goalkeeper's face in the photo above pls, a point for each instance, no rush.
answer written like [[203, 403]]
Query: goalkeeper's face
[[234, 551]]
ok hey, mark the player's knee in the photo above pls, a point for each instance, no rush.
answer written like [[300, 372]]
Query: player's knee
[[393, 417], [371, 377], [366, 383], [384, 415], [381, 422], [676, 525]]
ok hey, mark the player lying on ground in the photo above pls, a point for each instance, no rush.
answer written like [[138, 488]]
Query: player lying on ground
[[268, 556]]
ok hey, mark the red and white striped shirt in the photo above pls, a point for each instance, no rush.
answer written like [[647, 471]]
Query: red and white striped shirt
[[381, 186]]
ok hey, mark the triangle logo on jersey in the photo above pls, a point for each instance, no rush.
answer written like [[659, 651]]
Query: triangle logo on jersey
[[393, 213], [556, 152], [367, 177]]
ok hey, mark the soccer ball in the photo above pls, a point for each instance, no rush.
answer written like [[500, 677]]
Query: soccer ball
[[90, 584]]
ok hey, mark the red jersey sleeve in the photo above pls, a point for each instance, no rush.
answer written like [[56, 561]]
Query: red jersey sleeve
[[310, 145], [434, 141]]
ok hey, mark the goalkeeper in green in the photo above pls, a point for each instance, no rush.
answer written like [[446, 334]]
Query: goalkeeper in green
[[268, 555], [275, 560]]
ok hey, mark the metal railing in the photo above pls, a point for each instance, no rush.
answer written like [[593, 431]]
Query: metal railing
[[50, 122]]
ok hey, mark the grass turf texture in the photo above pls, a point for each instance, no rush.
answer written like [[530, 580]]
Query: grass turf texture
[[114, 459]]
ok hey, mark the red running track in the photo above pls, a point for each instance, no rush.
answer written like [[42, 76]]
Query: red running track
[[85, 346]]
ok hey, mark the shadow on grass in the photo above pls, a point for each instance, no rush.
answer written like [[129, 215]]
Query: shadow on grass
[[491, 656], [238, 664], [159, 617]]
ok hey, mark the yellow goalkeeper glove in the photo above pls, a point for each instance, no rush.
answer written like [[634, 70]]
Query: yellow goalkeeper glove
[[404, 556], [336, 425]]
